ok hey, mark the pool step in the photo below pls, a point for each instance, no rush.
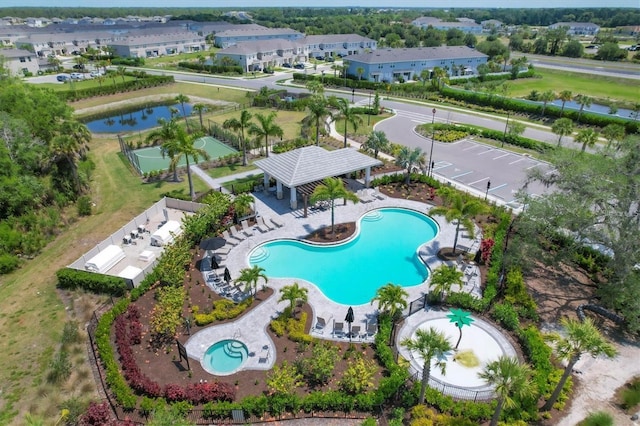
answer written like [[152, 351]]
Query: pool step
[[373, 216], [234, 349], [259, 254]]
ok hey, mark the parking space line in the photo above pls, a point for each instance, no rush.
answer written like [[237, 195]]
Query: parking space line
[[517, 161], [497, 187], [461, 174], [479, 180], [500, 156], [487, 151]]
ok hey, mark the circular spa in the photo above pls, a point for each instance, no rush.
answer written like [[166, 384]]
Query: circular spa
[[384, 250], [225, 357]]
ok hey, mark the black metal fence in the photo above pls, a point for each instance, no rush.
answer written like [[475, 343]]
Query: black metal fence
[[418, 304], [455, 391]]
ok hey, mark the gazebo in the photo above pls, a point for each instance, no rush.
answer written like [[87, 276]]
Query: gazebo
[[304, 166]]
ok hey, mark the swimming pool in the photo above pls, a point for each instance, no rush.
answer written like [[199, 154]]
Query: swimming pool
[[384, 251], [225, 357]]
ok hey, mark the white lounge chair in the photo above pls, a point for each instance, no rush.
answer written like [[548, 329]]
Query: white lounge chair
[[229, 238], [246, 228], [364, 196], [338, 329], [277, 222], [321, 324], [262, 225], [355, 332], [237, 234], [376, 193]]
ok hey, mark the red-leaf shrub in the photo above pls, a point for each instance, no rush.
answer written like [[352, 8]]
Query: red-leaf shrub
[[97, 415], [174, 392], [486, 247], [198, 393]]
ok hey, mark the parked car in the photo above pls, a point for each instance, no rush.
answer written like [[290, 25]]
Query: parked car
[[96, 73], [320, 58], [63, 77], [268, 71], [299, 66], [286, 65], [78, 67], [77, 76]]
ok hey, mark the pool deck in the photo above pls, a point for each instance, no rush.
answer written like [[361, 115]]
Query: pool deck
[[251, 328]]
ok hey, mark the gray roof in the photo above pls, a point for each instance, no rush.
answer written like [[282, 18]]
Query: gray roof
[[246, 30], [312, 163], [15, 53], [250, 47], [336, 38], [416, 54]]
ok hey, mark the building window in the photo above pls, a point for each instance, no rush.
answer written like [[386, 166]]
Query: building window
[[23, 59]]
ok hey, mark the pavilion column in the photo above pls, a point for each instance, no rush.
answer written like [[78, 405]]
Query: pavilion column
[[294, 198], [279, 190], [367, 177], [265, 182]]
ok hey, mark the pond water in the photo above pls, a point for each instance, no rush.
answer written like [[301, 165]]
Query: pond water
[[595, 108], [142, 119]]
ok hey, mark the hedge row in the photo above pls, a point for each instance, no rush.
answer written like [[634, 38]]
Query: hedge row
[[212, 69], [119, 87], [71, 279]]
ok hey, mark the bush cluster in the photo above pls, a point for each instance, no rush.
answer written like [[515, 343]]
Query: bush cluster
[[71, 279], [118, 87], [212, 69], [221, 310]]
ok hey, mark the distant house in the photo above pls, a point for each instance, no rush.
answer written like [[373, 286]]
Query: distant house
[[490, 24], [20, 62], [149, 46], [261, 54], [389, 65], [577, 28], [230, 37], [331, 45], [466, 25]]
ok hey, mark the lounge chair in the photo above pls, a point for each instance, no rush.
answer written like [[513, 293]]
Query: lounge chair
[[262, 225], [376, 193], [236, 234], [277, 222], [321, 324], [338, 329], [355, 331], [224, 250], [246, 228], [364, 196], [229, 238], [372, 329]]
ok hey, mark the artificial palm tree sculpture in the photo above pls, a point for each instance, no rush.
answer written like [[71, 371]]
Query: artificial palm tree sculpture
[[429, 344], [581, 338], [460, 318], [510, 380], [330, 190]]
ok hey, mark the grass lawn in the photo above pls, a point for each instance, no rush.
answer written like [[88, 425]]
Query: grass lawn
[[86, 83], [288, 120], [164, 61], [593, 85], [33, 314], [363, 128]]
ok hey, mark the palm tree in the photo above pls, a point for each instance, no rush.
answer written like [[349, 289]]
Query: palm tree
[[319, 110], [65, 147], [294, 294], [121, 71], [240, 125], [587, 137], [546, 97], [458, 208], [54, 62], [182, 99], [511, 380], [80, 133], [200, 108], [580, 338], [430, 344], [391, 299], [564, 96], [348, 114], [407, 158], [613, 132], [165, 133], [424, 76], [585, 102], [439, 77], [562, 127], [443, 278], [242, 204], [251, 276], [330, 190], [183, 144], [376, 142], [360, 72], [315, 87], [266, 127]]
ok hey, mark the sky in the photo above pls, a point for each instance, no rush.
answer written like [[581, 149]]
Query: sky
[[326, 3]]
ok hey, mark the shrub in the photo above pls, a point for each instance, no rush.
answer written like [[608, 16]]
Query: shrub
[[84, 205], [506, 315], [222, 309], [599, 418], [72, 279], [631, 395], [97, 414], [8, 263], [59, 368]]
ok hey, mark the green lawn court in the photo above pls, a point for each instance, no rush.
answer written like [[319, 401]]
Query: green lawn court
[[150, 158]]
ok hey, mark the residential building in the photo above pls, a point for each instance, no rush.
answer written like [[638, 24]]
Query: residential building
[[149, 46], [20, 62], [389, 65], [577, 28], [261, 54], [332, 45], [466, 25], [244, 33]]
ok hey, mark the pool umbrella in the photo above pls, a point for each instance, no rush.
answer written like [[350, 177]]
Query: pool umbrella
[[227, 275], [214, 263], [213, 243], [349, 319]]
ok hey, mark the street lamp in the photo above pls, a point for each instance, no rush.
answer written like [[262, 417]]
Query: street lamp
[[323, 77], [433, 135], [353, 95], [488, 187], [369, 114], [504, 135]]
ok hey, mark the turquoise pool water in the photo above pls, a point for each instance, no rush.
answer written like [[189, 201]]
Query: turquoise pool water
[[384, 251], [225, 357]]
